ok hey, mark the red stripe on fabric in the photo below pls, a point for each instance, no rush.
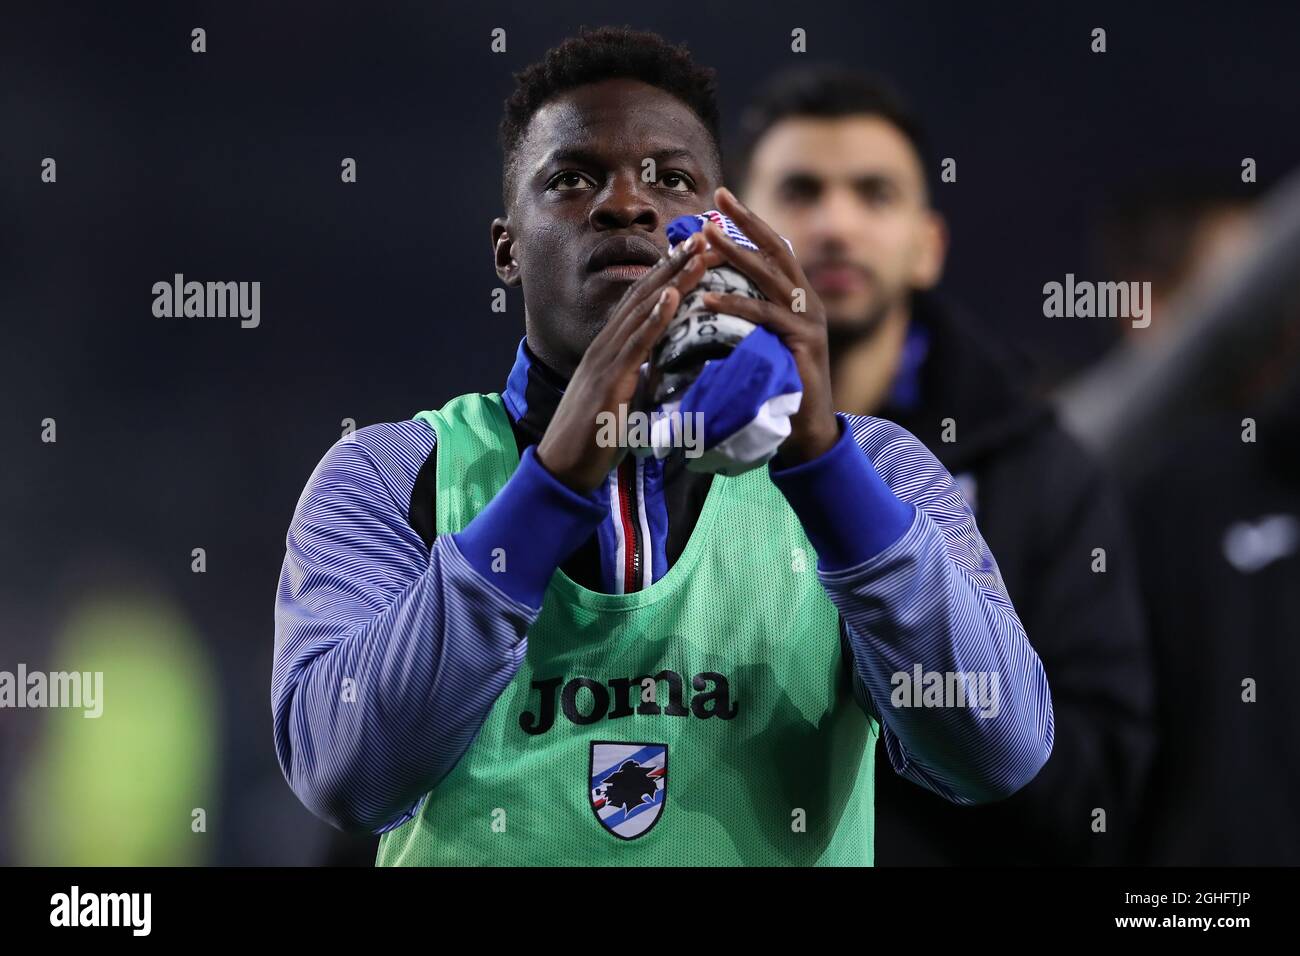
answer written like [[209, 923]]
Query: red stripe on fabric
[[629, 538]]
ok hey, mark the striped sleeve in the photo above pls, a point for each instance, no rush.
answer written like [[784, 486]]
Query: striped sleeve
[[388, 654], [978, 725]]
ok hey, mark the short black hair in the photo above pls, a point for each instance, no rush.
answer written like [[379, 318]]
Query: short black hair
[[1148, 225], [826, 91], [605, 53]]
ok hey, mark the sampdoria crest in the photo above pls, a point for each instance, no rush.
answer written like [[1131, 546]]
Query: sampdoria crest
[[628, 786]]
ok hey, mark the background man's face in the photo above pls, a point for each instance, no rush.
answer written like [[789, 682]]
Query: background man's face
[[849, 193], [584, 221]]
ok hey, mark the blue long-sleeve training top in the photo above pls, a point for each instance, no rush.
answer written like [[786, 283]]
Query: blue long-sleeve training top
[[368, 595]]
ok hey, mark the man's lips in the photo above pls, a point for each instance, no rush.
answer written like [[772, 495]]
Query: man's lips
[[623, 258], [623, 273], [838, 278]]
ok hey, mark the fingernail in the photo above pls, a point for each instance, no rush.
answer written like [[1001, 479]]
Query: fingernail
[[657, 312]]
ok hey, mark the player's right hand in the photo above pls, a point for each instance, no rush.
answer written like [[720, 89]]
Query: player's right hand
[[607, 375]]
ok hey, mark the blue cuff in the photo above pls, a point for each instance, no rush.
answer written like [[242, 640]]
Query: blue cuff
[[527, 530], [848, 512]]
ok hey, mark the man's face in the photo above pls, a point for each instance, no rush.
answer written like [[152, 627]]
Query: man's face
[[583, 222], [849, 193]]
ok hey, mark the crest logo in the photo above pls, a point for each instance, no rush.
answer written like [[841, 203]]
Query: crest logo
[[628, 786]]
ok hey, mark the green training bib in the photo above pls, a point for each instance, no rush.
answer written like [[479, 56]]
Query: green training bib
[[705, 720]]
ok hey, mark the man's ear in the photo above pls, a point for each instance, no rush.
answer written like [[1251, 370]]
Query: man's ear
[[934, 251], [503, 252]]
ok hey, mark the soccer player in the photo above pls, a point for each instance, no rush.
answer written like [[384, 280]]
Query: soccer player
[[498, 641], [837, 164]]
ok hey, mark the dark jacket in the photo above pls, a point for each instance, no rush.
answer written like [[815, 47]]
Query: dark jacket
[[1043, 508], [1218, 524]]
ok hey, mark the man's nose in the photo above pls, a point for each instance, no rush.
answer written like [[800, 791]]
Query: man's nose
[[625, 202], [838, 215]]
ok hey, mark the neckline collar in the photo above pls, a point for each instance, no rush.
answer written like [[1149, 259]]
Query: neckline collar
[[532, 393]]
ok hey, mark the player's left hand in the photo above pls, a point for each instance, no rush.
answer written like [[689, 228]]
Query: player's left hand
[[814, 428]]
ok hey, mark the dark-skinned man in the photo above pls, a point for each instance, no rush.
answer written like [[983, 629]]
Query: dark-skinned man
[[836, 163], [459, 666]]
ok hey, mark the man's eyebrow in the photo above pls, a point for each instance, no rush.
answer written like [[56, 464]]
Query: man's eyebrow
[[864, 180], [587, 156], [578, 155], [801, 175], [671, 153], [876, 177]]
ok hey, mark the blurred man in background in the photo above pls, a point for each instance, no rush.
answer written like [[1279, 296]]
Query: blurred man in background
[[1216, 512], [1218, 526], [1171, 232], [838, 166]]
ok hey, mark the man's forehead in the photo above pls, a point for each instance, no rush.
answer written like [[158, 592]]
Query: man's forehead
[[615, 116], [848, 146]]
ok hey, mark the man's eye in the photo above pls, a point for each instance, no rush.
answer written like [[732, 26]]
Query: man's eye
[[677, 181], [879, 194], [799, 191], [567, 180]]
